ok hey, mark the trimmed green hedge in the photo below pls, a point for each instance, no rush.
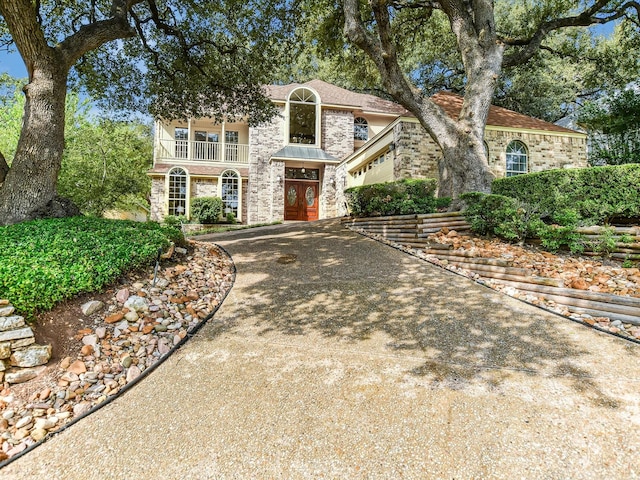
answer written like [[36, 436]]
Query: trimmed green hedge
[[402, 197], [596, 194], [46, 261]]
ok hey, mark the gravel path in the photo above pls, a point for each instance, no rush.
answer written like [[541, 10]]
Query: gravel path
[[335, 356]]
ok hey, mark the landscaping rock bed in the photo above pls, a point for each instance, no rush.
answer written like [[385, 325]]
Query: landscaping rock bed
[[124, 334]]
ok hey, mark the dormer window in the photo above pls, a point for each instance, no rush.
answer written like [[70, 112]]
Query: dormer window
[[303, 117], [360, 129]]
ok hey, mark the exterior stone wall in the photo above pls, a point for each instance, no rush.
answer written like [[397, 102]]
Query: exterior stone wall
[[245, 195], [337, 133], [341, 185], [545, 151], [157, 199], [204, 187], [277, 191], [416, 154], [328, 207], [264, 141]]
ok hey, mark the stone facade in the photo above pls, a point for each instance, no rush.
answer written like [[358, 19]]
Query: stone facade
[[337, 133], [264, 141], [398, 148], [328, 197], [545, 151], [157, 198], [416, 155], [204, 187]]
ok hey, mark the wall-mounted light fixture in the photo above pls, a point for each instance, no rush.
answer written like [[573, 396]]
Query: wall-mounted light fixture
[[279, 179], [392, 147], [332, 181]]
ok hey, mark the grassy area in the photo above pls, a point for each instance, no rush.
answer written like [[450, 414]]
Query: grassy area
[[228, 228], [46, 261]]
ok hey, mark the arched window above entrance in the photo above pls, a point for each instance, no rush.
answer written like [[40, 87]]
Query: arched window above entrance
[[304, 112]]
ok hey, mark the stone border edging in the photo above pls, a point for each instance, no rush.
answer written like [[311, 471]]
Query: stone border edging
[[481, 282], [143, 375]]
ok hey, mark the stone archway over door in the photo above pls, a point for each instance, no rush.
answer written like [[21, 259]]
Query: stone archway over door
[[300, 200]]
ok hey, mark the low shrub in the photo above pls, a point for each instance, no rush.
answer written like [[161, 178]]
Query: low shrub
[[43, 262], [498, 215], [402, 197], [596, 195], [206, 210], [515, 221], [175, 221]]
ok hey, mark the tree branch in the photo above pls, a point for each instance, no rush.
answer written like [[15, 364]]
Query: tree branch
[[93, 35], [587, 17]]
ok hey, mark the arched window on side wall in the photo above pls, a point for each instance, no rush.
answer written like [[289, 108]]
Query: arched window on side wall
[[230, 192], [517, 159], [360, 129], [177, 198]]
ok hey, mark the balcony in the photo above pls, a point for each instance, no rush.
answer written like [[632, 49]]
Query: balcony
[[207, 152]]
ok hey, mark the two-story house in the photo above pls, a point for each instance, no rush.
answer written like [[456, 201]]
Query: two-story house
[[324, 140]]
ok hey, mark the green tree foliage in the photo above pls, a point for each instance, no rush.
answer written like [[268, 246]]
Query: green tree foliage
[[105, 161], [574, 65], [175, 59], [614, 128], [104, 166]]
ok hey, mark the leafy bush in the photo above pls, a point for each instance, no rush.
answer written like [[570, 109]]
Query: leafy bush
[[43, 262], [498, 215], [206, 210], [595, 195], [175, 221], [402, 197], [515, 221], [231, 218]]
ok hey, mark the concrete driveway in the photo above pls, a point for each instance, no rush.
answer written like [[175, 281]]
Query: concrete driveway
[[337, 357]]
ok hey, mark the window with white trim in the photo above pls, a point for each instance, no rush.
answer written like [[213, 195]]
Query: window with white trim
[[230, 192], [177, 197], [360, 129], [517, 158], [303, 105]]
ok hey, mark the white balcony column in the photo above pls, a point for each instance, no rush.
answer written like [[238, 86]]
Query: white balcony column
[[223, 140], [190, 154]]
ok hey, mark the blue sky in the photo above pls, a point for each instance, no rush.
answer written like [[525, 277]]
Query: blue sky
[[12, 64]]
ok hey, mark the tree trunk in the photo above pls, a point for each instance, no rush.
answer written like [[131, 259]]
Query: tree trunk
[[463, 167], [29, 189]]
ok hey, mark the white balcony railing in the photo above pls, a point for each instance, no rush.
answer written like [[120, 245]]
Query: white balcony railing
[[203, 151]]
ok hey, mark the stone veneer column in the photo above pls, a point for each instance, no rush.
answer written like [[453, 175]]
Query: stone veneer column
[[264, 141], [157, 199], [328, 207], [341, 184], [277, 190]]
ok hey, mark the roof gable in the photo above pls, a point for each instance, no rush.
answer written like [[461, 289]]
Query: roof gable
[[333, 95]]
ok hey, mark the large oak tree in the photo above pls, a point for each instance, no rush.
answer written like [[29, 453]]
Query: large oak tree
[[486, 40], [180, 58]]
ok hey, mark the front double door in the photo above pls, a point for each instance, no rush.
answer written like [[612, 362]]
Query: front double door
[[300, 200]]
